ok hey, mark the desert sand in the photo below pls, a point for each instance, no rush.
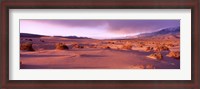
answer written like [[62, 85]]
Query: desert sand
[[100, 54]]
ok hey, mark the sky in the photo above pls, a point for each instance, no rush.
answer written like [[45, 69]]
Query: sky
[[99, 29]]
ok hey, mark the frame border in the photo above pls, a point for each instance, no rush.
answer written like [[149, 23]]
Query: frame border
[[118, 4]]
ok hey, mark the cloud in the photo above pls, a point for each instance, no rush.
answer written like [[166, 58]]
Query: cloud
[[72, 23], [115, 26], [138, 26]]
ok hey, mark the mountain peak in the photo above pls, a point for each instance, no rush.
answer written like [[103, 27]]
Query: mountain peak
[[165, 31], [172, 29]]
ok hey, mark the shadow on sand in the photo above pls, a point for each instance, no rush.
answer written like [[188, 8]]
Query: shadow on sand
[[25, 66]]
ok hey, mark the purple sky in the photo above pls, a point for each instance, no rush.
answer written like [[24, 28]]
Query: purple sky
[[100, 29]]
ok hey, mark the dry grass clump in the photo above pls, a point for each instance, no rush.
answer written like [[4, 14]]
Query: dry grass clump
[[148, 49], [141, 44], [170, 45], [76, 45], [79, 46], [157, 56], [106, 47], [174, 54], [42, 40], [127, 46], [161, 48], [29, 39], [140, 66], [164, 47], [157, 49], [61, 46], [150, 66], [111, 42], [26, 46], [94, 46]]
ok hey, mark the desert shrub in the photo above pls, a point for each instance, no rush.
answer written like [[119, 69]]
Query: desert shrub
[[42, 40], [110, 42], [173, 54], [76, 45], [170, 45], [127, 46], [95, 46], [157, 56], [137, 66], [29, 39], [148, 49], [61, 46], [141, 45], [106, 47], [79, 46], [161, 48], [26, 46], [140, 66], [164, 47], [157, 49], [150, 66]]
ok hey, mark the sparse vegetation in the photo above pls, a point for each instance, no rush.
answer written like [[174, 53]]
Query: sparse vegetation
[[138, 66], [29, 39], [42, 40], [61, 46], [127, 46], [150, 66], [110, 42], [79, 46], [157, 56], [148, 49], [161, 48], [120, 46], [26, 46], [106, 47], [133, 54], [76, 45], [173, 54]]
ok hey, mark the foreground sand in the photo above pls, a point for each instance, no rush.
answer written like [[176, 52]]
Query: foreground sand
[[94, 55]]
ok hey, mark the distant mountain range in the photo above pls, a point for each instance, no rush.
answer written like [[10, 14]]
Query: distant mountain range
[[36, 35], [75, 37], [166, 33], [30, 35], [172, 30]]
